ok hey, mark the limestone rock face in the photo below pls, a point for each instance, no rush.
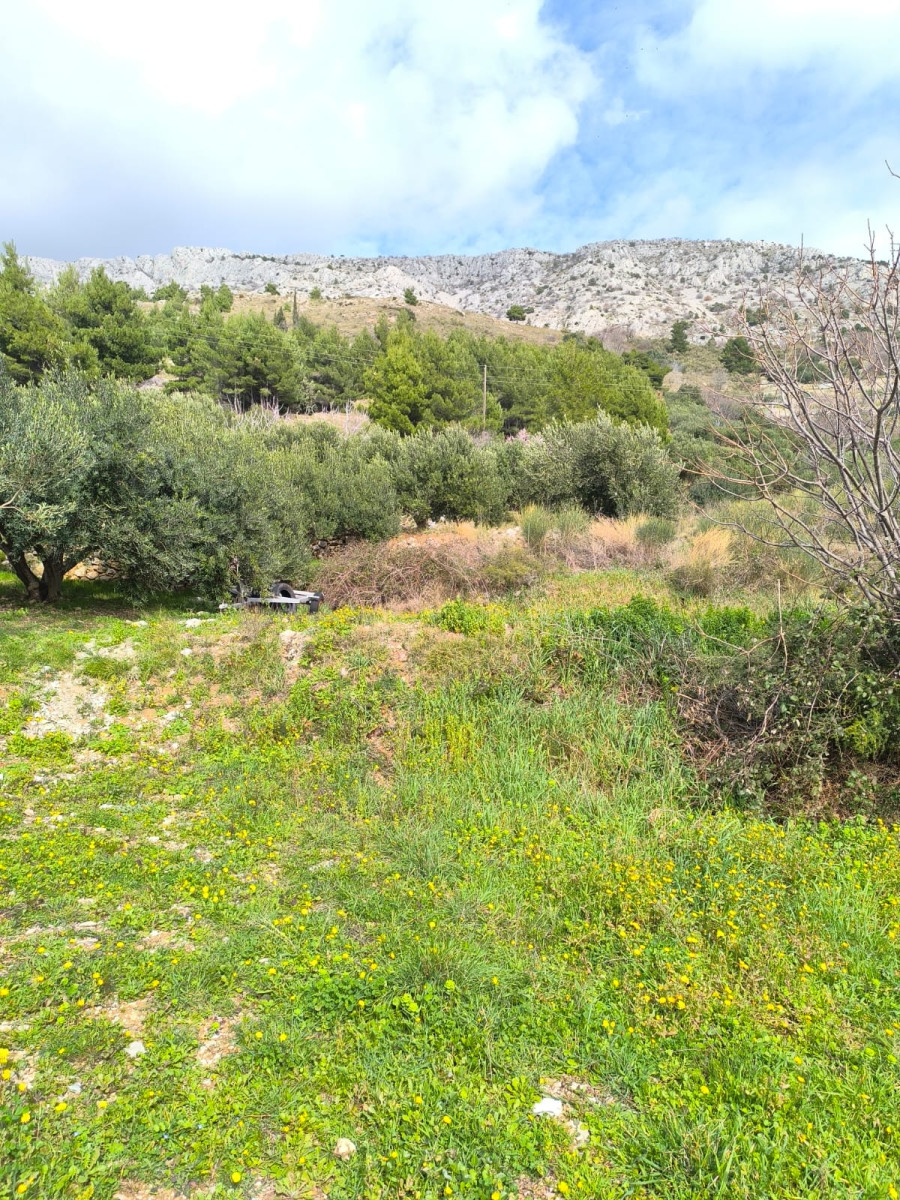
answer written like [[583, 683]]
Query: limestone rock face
[[638, 286]]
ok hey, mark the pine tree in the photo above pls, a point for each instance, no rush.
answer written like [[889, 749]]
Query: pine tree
[[678, 343], [32, 336]]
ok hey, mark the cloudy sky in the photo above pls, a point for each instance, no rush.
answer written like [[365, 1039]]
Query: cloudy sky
[[409, 126]]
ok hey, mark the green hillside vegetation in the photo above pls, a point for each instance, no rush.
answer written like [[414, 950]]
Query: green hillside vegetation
[[180, 491], [414, 379]]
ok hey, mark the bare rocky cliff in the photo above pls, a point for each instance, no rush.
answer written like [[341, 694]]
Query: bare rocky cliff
[[639, 286]]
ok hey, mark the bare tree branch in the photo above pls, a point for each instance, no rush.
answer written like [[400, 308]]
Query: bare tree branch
[[828, 344]]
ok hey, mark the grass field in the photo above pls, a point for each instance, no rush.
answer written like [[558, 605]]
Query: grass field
[[268, 884]]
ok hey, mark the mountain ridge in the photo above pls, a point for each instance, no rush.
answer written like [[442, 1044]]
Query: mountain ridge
[[633, 285]]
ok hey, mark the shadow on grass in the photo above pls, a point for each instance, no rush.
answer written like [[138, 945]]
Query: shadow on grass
[[100, 597]]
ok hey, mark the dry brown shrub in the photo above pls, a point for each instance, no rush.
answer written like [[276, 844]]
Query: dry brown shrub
[[608, 542], [423, 571]]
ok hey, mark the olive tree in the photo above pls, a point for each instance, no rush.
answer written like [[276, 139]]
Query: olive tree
[[606, 468], [82, 475]]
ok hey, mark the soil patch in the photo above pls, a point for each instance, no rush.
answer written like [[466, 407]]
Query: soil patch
[[217, 1040], [72, 707]]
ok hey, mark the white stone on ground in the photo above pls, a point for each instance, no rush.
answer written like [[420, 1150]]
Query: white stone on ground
[[548, 1106]]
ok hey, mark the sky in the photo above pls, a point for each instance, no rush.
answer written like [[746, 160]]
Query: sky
[[417, 127]]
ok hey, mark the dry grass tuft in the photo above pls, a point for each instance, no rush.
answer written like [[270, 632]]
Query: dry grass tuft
[[618, 539], [699, 568]]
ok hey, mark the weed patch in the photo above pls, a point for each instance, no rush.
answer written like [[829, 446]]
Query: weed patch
[[433, 873]]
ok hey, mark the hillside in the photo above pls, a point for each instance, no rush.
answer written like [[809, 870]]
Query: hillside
[[351, 315], [638, 287]]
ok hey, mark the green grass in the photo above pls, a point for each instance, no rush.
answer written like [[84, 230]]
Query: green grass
[[404, 892]]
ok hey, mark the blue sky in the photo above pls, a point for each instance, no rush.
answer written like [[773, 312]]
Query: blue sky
[[405, 126]]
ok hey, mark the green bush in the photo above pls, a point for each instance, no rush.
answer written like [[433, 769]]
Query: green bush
[[816, 695], [460, 616], [511, 570], [775, 706], [92, 475], [678, 343], [738, 357], [444, 473], [734, 625], [604, 468]]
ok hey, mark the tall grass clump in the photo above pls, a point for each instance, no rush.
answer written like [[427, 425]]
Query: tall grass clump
[[759, 560], [700, 568], [656, 532], [535, 523]]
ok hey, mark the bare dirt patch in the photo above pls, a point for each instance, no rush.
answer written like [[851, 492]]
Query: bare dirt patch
[[217, 1039], [292, 643], [124, 652], [536, 1189], [130, 1014], [223, 647], [158, 939], [72, 707]]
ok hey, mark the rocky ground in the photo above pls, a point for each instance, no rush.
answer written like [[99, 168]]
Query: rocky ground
[[637, 287]]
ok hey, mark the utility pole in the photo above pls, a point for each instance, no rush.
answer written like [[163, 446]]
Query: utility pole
[[484, 399]]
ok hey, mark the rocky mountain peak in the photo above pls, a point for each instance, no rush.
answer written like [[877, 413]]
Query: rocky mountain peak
[[638, 286]]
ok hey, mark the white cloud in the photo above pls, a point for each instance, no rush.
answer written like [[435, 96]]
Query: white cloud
[[617, 114], [856, 41], [356, 119], [201, 54]]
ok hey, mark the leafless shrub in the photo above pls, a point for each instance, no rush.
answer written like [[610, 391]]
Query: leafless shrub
[[830, 345], [422, 572]]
